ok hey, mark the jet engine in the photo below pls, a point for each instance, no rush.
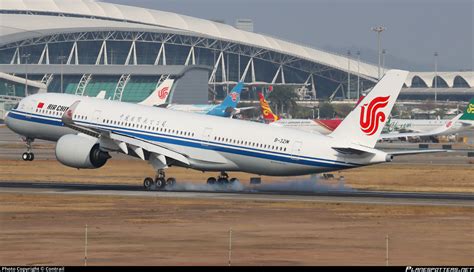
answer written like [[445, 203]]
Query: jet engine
[[80, 151]]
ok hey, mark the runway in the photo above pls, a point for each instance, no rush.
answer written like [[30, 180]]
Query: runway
[[355, 197]]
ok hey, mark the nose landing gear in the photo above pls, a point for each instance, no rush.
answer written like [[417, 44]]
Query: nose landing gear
[[28, 155]]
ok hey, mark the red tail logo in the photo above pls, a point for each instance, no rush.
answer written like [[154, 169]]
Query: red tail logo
[[163, 93], [371, 115], [234, 96]]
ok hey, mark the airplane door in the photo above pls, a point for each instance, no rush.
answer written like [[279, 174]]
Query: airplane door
[[296, 150], [206, 136]]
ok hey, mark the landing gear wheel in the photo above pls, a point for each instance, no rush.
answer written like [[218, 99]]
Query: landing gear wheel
[[232, 180], [211, 180], [222, 180], [160, 183], [148, 183], [27, 156], [170, 182]]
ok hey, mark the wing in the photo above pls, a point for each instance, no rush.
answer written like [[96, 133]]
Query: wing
[[113, 141]]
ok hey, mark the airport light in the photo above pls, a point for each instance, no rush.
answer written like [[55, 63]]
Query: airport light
[[26, 57], [383, 60], [436, 76], [379, 30], [62, 58]]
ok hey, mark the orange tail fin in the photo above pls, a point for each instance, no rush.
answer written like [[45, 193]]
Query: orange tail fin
[[267, 113]]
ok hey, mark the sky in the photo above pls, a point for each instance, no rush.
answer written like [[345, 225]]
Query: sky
[[415, 29]]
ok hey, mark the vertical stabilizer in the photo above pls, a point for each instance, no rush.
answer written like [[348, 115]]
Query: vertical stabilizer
[[469, 111], [364, 124], [160, 95]]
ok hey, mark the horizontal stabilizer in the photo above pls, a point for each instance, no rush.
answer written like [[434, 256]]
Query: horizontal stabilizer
[[415, 152], [351, 151]]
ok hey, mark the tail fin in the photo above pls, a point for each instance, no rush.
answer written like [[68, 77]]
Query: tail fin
[[469, 111], [365, 122], [159, 96], [101, 94], [267, 112], [233, 98]]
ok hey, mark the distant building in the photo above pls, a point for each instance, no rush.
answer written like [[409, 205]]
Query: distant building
[[244, 24], [91, 46], [220, 21]]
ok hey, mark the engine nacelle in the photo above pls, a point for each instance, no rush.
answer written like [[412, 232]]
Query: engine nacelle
[[80, 152]]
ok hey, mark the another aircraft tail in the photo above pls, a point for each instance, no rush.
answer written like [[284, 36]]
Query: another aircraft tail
[[267, 112], [469, 111], [364, 124], [160, 95], [233, 98]]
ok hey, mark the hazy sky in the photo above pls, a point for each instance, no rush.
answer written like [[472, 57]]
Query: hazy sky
[[415, 28]]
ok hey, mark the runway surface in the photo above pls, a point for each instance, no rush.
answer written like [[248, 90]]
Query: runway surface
[[356, 197]]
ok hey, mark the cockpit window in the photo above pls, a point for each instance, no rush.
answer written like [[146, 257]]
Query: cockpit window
[[16, 106]]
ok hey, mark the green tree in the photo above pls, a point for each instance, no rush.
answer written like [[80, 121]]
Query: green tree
[[283, 97], [326, 110], [342, 110]]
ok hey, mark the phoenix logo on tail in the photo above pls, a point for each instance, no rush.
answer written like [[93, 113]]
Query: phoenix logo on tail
[[234, 96], [371, 115], [267, 113], [163, 93]]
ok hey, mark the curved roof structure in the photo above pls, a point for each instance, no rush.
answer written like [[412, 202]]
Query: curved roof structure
[[448, 77], [89, 14]]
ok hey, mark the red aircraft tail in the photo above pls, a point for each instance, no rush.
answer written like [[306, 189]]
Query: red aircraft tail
[[267, 113]]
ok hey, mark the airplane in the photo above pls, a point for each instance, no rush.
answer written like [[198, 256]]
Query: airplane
[[228, 107], [395, 128], [459, 123], [86, 130], [321, 126]]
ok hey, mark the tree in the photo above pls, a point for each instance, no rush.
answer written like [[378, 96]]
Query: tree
[[283, 97], [326, 110]]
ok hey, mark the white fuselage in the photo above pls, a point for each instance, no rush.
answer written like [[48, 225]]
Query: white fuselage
[[201, 109], [210, 143], [424, 125], [307, 125]]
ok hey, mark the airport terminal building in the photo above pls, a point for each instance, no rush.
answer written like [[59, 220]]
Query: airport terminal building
[[83, 47]]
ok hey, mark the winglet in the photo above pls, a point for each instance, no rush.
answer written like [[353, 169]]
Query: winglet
[[66, 118], [101, 94]]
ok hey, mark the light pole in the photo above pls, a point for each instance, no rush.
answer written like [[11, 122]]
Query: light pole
[[358, 77], [348, 74], [379, 30], [436, 76], [62, 58], [383, 61], [26, 57]]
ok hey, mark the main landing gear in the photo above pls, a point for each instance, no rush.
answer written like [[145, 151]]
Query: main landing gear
[[222, 179], [159, 183], [28, 155]]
